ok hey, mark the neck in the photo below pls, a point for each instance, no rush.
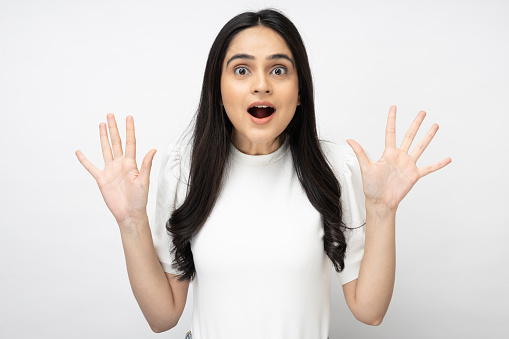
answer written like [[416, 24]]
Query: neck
[[252, 148]]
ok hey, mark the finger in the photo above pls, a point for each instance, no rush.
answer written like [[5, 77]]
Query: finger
[[88, 165], [390, 130], [359, 153], [105, 143], [146, 165], [412, 131], [116, 143], [130, 144], [421, 146], [434, 167]]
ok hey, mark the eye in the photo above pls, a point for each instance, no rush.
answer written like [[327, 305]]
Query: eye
[[279, 71], [241, 71]]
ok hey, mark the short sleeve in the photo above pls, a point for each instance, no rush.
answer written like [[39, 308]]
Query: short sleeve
[[345, 164], [171, 190]]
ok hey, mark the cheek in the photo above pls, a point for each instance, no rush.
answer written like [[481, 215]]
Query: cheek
[[292, 95], [291, 90], [230, 98], [230, 94]]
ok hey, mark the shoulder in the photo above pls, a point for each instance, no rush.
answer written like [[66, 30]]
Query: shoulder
[[346, 166], [176, 161], [340, 156]]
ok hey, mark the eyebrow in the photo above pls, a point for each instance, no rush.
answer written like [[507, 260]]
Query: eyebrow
[[250, 57]]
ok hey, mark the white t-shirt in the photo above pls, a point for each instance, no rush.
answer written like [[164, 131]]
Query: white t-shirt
[[261, 269]]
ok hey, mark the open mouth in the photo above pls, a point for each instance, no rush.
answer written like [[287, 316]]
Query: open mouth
[[261, 112]]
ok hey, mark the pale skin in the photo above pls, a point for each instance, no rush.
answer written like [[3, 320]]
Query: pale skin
[[386, 182]]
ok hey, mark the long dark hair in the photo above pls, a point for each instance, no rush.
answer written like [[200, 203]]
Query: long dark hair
[[212, 137]]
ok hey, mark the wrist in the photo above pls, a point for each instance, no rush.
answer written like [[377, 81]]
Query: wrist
[[380, 209], [133, 220]]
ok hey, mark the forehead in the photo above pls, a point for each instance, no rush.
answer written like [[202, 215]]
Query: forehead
[[258, 41]]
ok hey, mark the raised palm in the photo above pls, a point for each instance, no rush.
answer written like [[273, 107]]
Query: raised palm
[[388, 180], [123, 187]]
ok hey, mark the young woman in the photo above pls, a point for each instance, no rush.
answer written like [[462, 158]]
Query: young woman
[[256, 211]]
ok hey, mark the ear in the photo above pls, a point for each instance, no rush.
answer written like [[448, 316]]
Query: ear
[[298, 100]]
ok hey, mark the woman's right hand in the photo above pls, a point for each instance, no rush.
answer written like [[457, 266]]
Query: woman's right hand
[[123, 187]]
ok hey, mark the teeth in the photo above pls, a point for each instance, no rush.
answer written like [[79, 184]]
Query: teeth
[[262, 106]]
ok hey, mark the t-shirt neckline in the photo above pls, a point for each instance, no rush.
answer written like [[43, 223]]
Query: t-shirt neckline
[[259, 160]]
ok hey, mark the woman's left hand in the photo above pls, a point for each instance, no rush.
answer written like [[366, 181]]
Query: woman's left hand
[[387, 181]]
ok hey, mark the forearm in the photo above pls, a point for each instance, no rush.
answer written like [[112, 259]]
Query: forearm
[[375, 283], [146, 276]]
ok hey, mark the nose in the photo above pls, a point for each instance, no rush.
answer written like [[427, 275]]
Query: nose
[[261, 84]]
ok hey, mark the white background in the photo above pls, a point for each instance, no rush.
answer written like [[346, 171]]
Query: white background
[[65, 64]]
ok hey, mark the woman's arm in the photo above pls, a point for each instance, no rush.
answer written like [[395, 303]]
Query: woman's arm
[[385, 184], [160, 295], [369, 296], [125, 190]]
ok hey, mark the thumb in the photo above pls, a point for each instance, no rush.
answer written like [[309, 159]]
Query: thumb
[[359, 153], [146, 165]]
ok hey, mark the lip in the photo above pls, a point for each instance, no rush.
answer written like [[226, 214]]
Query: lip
[[264, 120], [262, 103]]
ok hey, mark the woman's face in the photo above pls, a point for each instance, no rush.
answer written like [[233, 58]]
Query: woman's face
[[259, 89]]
